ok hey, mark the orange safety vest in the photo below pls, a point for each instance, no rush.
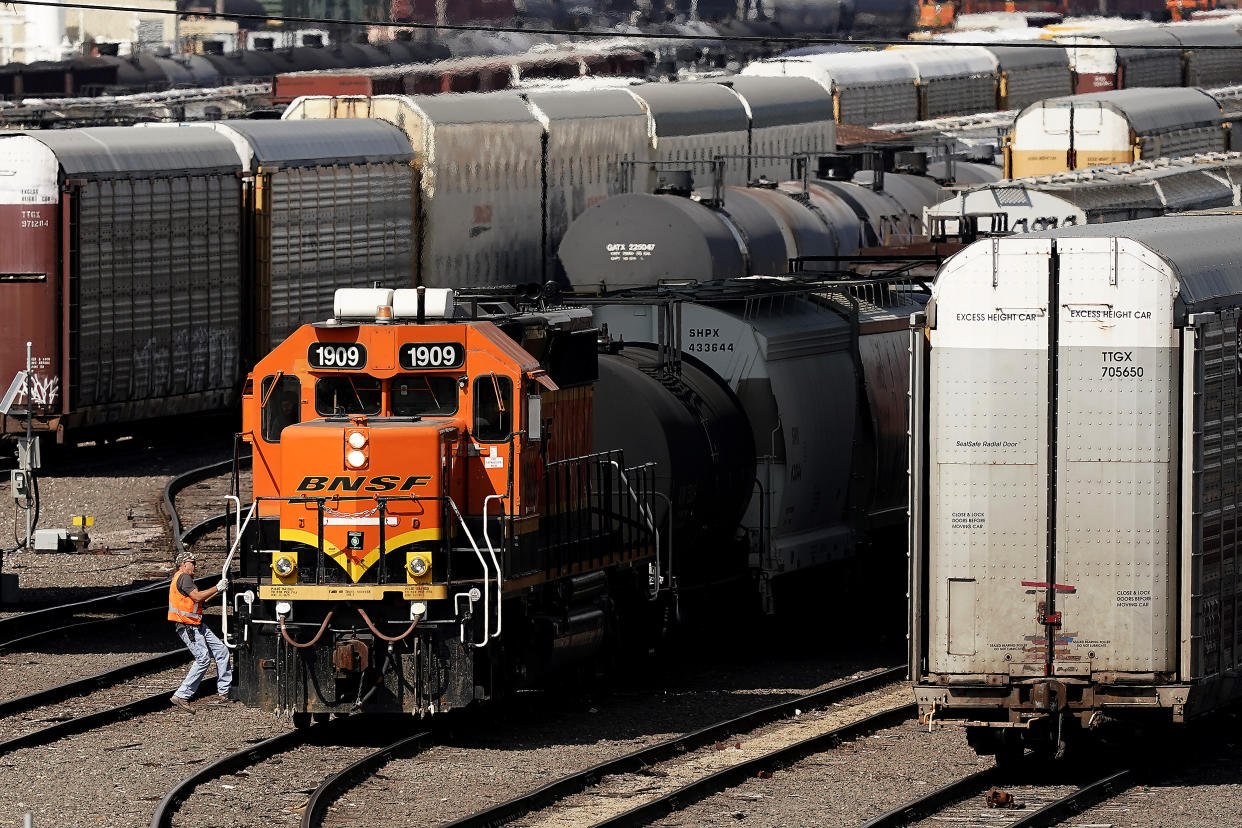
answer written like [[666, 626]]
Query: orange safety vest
[[182, 608]]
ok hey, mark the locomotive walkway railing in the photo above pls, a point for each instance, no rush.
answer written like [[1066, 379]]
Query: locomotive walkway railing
[[598, 507], [473, 595], [590, 498]]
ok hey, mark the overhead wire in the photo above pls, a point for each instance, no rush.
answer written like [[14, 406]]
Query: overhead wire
[[795, 40]]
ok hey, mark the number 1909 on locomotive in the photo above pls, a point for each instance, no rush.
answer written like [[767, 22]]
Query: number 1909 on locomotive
[[352, 356]]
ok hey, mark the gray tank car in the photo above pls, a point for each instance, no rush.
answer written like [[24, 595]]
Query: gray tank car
[[640, 239]]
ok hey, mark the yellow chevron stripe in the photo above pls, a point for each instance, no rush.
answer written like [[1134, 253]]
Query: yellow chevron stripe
[[356, 569]]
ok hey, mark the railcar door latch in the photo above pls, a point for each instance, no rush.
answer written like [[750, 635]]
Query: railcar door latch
[[1054, 619]]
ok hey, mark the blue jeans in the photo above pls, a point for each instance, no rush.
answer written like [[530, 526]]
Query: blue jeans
[[204, 646]]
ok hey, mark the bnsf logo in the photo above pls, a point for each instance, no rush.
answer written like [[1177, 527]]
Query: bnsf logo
[[381, 483]]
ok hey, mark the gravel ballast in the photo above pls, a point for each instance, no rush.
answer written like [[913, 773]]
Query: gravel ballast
[[115, 776], [122, 489]]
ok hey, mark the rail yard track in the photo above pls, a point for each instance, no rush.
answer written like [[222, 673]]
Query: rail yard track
[[700, 778], [64, 724], [195, 501], [52, 713], [230, 764], [348, 737], [82, 686], [130, 605], [994, 797], [127, 605]]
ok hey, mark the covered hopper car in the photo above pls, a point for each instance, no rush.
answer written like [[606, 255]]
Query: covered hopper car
[[675, 272]]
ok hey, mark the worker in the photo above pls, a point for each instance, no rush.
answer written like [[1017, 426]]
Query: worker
[[185, 609]]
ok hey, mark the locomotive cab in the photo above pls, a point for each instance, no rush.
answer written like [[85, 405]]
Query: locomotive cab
[[413, 465]]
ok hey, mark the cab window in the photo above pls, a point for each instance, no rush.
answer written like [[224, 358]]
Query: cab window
[[423, 395], [281, 398], [343, 394], [493, 408]]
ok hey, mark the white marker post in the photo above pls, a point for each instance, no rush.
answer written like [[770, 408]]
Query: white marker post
[[29, 459]]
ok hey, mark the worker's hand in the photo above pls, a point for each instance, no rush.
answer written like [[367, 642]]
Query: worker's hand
[[223, 585]]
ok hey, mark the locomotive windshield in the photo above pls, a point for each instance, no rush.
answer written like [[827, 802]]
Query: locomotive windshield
[[345, 394], [423, 395]]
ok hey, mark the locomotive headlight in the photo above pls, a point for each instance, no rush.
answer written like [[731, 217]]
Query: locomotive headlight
[[418, 566], [356, 439], [283, 566], [356, 459]]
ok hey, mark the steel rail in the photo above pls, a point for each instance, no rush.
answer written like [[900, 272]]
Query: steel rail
[[249, 755], [632, 762], [82, 724], [203, 527], [19, 625], [136, 615], [331, 788], [82, 686], [17, 628], [1078, 801], [699, 789], [182, 482], [928, 804], [159, 607]]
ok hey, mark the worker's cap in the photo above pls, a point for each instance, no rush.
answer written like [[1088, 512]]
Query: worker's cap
[[182, 557]]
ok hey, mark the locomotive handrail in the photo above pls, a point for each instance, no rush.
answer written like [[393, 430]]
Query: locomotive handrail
[[644, 509], [671, 580], [487, 598], [487, 634], [495, 562], [228, 562]]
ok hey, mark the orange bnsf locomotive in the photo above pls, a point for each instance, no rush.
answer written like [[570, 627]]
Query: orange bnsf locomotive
[[452, 498]]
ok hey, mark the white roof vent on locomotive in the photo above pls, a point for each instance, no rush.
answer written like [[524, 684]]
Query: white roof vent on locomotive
[[383, 304]]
